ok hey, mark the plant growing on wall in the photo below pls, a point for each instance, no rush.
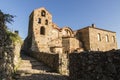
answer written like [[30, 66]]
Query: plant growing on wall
[[14, 37]]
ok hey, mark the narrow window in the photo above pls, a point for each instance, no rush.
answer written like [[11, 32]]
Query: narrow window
[[43, 13], [46, 22], [113, 38], [39, 20], [99, 37], [107, 39], [42, 30]]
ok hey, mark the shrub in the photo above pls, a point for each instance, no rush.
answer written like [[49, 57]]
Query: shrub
[[14, 37]]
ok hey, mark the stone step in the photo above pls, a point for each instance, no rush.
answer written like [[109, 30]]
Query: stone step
[[21, 75], [29, 61], [25, 61], [30, 71], [37, 63], [28, 58], [35, 68], [32, 64]]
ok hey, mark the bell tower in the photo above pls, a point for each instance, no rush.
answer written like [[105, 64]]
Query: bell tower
[[41, 24]]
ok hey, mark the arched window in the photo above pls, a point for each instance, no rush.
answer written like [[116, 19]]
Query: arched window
[[107, 39], [99, 37], [46, 22], [42, 30], [43, 13], [39, 20], [113, 38]]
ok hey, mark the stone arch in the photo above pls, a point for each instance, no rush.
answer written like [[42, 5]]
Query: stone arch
[[67, 32], [43, 13]]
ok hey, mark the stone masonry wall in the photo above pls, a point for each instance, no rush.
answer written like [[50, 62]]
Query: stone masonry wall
[[83, 36], [95, 65], [6, 56], [16, 53], [52, 60], [9, 55], [9, 61], [106, 38]]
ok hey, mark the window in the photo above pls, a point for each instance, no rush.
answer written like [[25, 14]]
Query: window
[[113, 38], [46, 22], [42, 30], [107, 39], [99, 37], [39, 20], [43, 13]]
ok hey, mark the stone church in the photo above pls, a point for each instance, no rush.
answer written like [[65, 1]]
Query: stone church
[[46, 36]]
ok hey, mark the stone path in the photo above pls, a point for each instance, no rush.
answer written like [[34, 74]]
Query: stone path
[[31, 69]]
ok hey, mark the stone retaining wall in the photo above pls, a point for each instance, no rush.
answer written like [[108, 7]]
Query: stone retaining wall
[[95, 65], [9, 61], [6, 63]]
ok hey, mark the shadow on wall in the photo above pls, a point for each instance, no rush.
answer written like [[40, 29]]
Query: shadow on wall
[[26, 47], [51, 60], [79, 37]]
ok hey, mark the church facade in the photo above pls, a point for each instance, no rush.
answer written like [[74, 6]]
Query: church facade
[[45, 36]]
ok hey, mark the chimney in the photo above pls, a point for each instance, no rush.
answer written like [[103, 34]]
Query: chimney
[[93, 25], [16, 31]]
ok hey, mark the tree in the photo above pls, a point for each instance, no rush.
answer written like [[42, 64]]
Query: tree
[[5, 18]]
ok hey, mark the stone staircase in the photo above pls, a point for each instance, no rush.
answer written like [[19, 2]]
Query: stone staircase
[[31, 69]]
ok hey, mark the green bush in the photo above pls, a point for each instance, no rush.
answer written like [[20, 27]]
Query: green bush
[[14, 37]]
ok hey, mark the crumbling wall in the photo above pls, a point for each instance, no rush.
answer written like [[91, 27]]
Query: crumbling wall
[[9, 55], [63, 64], [95, 65], [16, 53]]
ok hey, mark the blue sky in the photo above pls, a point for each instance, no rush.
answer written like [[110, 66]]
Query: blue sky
[[76, 14]]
